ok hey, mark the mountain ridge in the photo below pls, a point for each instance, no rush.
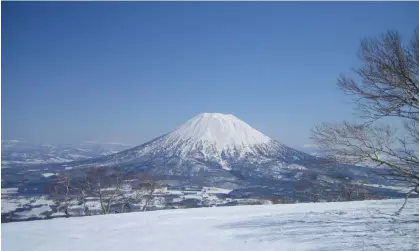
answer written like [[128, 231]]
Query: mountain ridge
[[22, 153], [208, 146]]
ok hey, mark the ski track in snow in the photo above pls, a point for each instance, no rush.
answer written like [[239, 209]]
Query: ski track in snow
[[362, 225]]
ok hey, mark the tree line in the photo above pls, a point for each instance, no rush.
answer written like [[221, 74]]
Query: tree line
[[112, 188]]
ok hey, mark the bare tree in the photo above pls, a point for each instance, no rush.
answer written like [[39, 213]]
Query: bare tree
[[309, 189], [125, 200], [82, 200], [61, 193], [149, 186], [83, 187], [106, 185], [143, 189], [136, 196], [314, 194], [349, 192], [388, 87]]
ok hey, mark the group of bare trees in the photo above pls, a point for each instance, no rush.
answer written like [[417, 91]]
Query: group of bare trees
[[110, 187], [349, 192], [385, 89], [315, 191]]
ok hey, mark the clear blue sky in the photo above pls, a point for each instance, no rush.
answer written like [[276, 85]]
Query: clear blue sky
[[128, 72]]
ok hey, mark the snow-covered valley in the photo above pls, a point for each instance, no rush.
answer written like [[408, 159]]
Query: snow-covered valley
[[361, 225]]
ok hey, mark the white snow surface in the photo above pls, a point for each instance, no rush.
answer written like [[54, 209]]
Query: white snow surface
[[224, 131], [362, 225], [48, 174], [212, 136]]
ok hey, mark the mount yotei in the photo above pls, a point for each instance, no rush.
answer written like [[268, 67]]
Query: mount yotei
[[207, 143], [221, 150], [212, 159]]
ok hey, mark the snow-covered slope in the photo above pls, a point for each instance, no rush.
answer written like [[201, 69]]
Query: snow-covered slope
[[213, 137], [209, 144], [221, 131], [362, 225]]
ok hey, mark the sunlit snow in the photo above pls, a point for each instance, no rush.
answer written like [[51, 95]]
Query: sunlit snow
[[361, 225]]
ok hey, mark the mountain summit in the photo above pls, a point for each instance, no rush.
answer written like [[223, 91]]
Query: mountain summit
[[223, 131], [213, 144], [214, 137]]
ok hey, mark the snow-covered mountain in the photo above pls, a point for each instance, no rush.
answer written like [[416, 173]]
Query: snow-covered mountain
[[221, 139], [21, 153], [218, 149], [209, 150]]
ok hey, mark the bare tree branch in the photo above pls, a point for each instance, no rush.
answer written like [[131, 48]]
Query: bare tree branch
[[387, 86], [150, 186], [106, 185], [389, 78]]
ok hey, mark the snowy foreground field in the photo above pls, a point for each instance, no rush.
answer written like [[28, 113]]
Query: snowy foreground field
[[363, 225]]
